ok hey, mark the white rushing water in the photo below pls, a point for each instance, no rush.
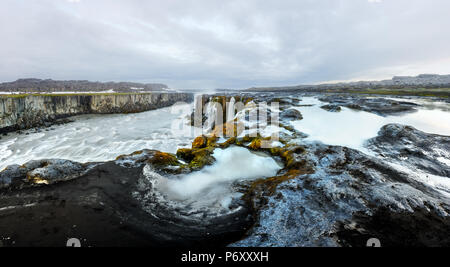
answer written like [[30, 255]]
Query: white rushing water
[[101, 137], [352, 128], [211, 186]]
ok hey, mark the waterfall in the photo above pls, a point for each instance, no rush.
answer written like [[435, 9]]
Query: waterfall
[[230, 110], [210, 114]]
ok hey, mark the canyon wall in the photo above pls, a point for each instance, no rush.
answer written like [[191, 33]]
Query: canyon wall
[[24, 112]]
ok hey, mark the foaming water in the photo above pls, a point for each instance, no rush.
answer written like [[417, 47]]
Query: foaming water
[[101, 137], [232, 164], [211, 187], [352, 128]]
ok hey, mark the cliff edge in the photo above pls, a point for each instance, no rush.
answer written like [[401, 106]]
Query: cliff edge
[[28, 111]]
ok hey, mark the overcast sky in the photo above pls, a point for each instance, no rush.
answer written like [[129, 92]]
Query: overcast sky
[[223, 44]]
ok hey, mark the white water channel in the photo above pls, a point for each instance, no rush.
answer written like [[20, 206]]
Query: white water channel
[[351, 128], [212, 186], [93, 138]]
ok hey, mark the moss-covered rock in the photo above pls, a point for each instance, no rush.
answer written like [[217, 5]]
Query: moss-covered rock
[[211, 140], [255, 144], [185, 154], [294, 166], [228, 143], [162, 159], [287, 154], [200, 142], [267, 186], [201, 158], [36, 179], [201, 152], [121, 157], [258, 142]]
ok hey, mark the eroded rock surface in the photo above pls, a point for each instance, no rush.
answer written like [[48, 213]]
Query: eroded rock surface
[[351, 197], [104, 207], [413, 149], [41, 172], [379, 106], [308, 209], [331, 108], [291, 114]]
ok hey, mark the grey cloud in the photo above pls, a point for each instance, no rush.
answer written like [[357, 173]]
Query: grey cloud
[[208, 43]]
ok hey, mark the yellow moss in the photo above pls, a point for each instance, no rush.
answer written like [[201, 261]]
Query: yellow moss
[[246, 139], [276, 151], [255, 144], [200, 153], [36, 179], [41, 181], [163, 159], [185, 154], [200, 142], [286, 153], [269, 185], [132, 154], [211, 140], [228, 143], [201, 157]]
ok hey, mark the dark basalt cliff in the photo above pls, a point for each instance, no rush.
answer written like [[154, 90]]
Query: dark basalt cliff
[[17, 113]]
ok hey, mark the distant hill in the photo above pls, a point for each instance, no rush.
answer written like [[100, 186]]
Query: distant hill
[[48, 85], [397, 82]]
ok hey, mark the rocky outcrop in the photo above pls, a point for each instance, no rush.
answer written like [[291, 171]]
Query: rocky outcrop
[[331, 108], [413, 149], [29, 111], [379, 106], [339, 203], [291, 114], [105, 204], [38, 172]]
